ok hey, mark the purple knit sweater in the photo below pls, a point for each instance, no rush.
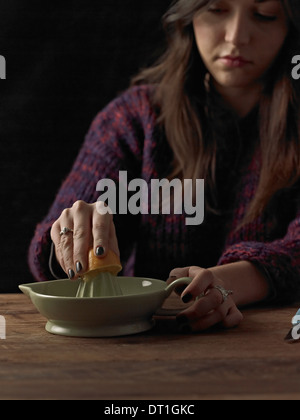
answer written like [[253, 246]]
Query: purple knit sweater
[[125, 136]]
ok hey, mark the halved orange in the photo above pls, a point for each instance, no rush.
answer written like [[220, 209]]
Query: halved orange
[[108, 264]]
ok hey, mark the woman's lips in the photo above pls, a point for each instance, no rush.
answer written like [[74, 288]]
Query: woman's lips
[[234, 62]]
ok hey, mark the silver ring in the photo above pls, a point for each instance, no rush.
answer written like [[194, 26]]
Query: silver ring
[[225, 293], [65, 230]]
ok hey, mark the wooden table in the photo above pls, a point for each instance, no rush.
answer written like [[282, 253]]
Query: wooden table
[[249, 362]]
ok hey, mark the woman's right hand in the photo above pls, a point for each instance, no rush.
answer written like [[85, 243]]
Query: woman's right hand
[[91, 229]]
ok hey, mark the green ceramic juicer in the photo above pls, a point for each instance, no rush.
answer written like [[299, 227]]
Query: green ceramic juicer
[[129, 312], [101, 304]]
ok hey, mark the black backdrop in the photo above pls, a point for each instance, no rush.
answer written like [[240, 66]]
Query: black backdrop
[[65, 61]]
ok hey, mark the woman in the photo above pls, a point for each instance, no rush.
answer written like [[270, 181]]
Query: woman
[[220, 105]]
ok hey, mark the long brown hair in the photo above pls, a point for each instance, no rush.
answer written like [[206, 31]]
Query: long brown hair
[[181, 93]]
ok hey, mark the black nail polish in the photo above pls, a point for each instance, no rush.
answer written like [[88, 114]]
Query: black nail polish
[[78, 267], [71, 274], [187, 298], [99, 251]]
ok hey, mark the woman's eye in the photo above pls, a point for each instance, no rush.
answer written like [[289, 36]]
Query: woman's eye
[[216, 10], [265, 18]]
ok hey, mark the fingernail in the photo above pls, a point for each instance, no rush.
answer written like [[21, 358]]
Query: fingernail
[[78, 267], [71, 274], [99, 251], [187, 298]]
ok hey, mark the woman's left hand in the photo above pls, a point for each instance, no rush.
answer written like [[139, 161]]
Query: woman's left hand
[[211, 306]]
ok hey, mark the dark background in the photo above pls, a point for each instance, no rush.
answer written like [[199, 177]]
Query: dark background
[[65, 61]]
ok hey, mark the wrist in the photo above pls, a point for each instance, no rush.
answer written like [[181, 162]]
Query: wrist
[[247, 282]]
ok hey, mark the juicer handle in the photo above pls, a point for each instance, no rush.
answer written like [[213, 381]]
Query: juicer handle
[[179, 282]]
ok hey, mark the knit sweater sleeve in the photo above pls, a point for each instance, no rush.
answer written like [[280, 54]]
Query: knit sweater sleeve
[[279, 261], [113, 143]]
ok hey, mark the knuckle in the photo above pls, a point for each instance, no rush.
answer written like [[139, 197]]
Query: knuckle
[[65, 254], [67, 258], [65, 242], [78, 255], [172, 274], [208, 274], [79, 234], [100, 225], [66, 213], [202, 274], [54, 228], [79, 205], [103, 209], [216, 298], [178, 272], [55, 225], [233, 320], [195, 268]]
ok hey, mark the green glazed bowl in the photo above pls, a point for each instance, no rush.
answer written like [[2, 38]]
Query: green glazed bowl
[[107, 316]]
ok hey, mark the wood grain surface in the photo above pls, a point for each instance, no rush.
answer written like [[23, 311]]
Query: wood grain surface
[[249, 362]]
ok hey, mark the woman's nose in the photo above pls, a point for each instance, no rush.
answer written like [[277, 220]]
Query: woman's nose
[[238, 31]]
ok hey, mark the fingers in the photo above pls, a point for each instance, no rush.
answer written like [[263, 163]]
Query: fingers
[[210, 307], [202, 280], [211, 301], [177, 274], [82, 237], [234, 317], [64, 243], [113, 244], [226, 315], [90, 229], [101, 232]]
